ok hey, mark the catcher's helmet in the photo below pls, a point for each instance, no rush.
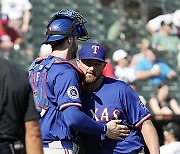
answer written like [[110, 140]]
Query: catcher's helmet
[[66, 23]]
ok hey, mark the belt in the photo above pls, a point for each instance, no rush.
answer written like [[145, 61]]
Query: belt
[[59, 144], [138, 151]]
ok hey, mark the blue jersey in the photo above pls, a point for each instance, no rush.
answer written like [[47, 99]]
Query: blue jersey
[[114, 99], [61, 88]]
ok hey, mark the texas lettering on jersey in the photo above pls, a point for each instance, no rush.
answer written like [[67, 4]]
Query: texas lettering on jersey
[[105, 114]]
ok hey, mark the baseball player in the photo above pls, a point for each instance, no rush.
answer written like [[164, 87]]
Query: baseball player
[[105, 99], [56, 82]]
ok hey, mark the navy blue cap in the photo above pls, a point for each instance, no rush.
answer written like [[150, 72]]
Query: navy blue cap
[[93, 51]]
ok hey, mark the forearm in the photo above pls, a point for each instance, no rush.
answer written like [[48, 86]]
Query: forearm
[[150, 137], [154, 106], [33, 139], [142, 75], [175, 106], [76, 119], [26, 17]]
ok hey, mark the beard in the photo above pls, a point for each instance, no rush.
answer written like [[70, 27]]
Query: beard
[[91, 77]]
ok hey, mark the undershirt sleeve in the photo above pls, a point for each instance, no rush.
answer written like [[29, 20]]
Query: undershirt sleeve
[[76, 119]]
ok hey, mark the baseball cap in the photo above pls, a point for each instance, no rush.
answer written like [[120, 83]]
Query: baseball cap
[[4, 19], [167, 20], [93, 51], [119, 54]]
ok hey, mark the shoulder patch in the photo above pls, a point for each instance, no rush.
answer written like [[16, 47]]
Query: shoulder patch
[[73, 92]]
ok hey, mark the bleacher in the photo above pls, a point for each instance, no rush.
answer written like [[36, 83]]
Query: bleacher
[[100, 17]]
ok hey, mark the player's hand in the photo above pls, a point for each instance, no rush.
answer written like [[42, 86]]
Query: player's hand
[[117, 131]]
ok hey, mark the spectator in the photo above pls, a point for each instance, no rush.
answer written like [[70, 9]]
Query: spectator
[[122, 70], [171, 139], [162, 103], [7, 31], [19, 120], [117, 30], [108, 70], [9, 38], [18, 12], [152, 69], [162, 38], [143, 46], [154, 24]]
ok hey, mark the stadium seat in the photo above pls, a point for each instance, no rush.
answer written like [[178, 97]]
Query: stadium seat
[[146, 89], [174, 91]]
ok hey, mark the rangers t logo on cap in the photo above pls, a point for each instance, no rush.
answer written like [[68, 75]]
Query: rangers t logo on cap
[[92, 51], [95, 47]]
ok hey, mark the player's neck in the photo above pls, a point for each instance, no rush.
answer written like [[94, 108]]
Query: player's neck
[[62, 54], [90, 87]]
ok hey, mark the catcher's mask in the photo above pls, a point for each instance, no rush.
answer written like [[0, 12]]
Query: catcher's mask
[[66, 23]]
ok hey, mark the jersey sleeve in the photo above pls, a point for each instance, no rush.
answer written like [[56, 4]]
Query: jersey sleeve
[[76, 119], [136, 111], [66, 89]]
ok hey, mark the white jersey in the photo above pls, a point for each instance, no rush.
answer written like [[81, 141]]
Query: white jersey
[[171, 148], [15, 8]]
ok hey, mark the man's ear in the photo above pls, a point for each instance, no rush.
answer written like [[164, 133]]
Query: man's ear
[[70, 40]]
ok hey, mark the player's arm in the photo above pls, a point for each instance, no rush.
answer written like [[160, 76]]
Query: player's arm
[[33, 139], [76, 119], [139, 115], [150, 136]]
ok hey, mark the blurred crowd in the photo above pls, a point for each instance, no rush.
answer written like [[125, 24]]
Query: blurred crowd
[[15, 19], [156, 63]]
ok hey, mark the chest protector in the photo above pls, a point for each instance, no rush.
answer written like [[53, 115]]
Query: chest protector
[[39, 86]]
